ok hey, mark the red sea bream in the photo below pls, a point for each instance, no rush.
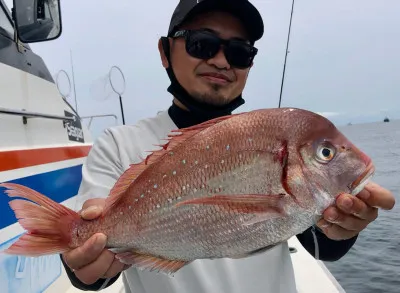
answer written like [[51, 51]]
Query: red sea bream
[[225, 188]]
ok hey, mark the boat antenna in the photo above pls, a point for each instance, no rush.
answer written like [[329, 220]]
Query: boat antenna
[[286, 53]]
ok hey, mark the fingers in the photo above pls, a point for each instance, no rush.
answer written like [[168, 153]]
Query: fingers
[[97, 269], [343, 220], [335, 232], [352, 214], [92, 261], [93, 202], [377, 196], [92, 208], [347, 218], [114, 269], [351, 205], [87, 253]]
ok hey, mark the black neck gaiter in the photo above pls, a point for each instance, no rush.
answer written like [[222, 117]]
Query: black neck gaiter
[[183, 118]]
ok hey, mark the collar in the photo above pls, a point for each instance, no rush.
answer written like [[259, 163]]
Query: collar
[[183, 118]]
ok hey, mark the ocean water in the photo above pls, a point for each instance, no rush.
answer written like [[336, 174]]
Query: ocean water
[[373, 264]]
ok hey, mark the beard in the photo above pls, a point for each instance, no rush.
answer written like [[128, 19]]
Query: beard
[[213, 97]]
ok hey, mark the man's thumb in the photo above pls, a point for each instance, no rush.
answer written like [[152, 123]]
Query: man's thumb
[[91, 212]]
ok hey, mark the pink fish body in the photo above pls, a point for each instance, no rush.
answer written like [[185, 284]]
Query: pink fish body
[[225, 188]]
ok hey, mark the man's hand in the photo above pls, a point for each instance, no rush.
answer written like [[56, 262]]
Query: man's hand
[[352, 214], [91, 261]]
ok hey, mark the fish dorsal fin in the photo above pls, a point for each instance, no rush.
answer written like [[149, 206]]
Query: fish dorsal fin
[[175, 138]]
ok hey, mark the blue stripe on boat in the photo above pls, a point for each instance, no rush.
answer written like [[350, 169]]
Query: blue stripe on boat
[[59, 185]]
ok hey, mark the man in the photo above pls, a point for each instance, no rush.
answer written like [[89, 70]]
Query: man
[[206, 82]]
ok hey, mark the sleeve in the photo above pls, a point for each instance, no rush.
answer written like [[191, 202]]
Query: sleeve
[[99, 174], [101, 170], [322, 247]]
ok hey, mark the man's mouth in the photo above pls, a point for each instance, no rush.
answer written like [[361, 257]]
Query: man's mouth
[[362, 180], [216, 77]]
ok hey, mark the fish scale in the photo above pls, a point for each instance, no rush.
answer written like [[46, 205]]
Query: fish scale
[[230, 187], [189, 234], [216, 159]]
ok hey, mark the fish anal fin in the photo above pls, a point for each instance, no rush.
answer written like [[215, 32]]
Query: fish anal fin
[[151, 263]]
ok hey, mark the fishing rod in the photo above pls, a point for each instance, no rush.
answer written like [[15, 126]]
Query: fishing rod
[[286, 53]]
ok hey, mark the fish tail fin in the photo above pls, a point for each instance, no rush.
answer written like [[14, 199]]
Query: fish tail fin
[[47, 222]]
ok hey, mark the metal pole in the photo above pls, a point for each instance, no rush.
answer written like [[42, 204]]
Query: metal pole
[[73, 80], [122, 110], [287, 49]]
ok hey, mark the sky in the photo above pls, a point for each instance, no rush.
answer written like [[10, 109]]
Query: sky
[[343, 58]]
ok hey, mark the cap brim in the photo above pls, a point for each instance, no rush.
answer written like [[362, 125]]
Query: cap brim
[[243, 10]]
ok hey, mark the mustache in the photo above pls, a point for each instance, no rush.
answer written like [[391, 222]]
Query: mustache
[[224, 74]]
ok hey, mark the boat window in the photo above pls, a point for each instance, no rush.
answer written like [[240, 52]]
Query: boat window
[[6, 27]]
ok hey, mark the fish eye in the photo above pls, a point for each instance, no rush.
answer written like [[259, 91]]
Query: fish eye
[[325, 153]]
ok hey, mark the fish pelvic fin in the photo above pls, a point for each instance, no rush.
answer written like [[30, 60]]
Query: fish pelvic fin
[[175, 138], [47, 222], [151, 263], [264, 207]]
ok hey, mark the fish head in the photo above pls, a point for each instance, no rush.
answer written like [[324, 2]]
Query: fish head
[[331, 163]]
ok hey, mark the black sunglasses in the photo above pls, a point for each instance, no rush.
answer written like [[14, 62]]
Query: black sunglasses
[[203, 44]]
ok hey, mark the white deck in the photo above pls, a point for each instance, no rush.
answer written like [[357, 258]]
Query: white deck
[[311, 276]]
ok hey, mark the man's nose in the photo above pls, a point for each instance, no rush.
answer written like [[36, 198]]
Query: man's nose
[[219, 60]]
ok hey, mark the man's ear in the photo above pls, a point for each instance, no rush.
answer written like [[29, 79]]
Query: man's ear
[[164, 59]]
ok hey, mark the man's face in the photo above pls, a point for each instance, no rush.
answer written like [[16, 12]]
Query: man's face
[[197, 76]]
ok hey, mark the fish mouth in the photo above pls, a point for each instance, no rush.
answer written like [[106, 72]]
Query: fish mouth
[[357, 185]]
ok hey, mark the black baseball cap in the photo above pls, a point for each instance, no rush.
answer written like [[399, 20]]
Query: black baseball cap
[[242, 9]]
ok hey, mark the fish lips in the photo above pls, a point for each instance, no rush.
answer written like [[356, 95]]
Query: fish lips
[[357, 185]]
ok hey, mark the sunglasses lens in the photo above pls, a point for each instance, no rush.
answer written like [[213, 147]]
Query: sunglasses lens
[[239, 55], [202, 45]]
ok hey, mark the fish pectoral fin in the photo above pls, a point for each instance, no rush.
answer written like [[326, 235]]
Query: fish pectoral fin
[[264, 207], [251, 203], [151, 263]]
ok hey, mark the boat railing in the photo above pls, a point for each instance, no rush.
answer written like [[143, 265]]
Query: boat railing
[[99, 116], [28, 114]]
